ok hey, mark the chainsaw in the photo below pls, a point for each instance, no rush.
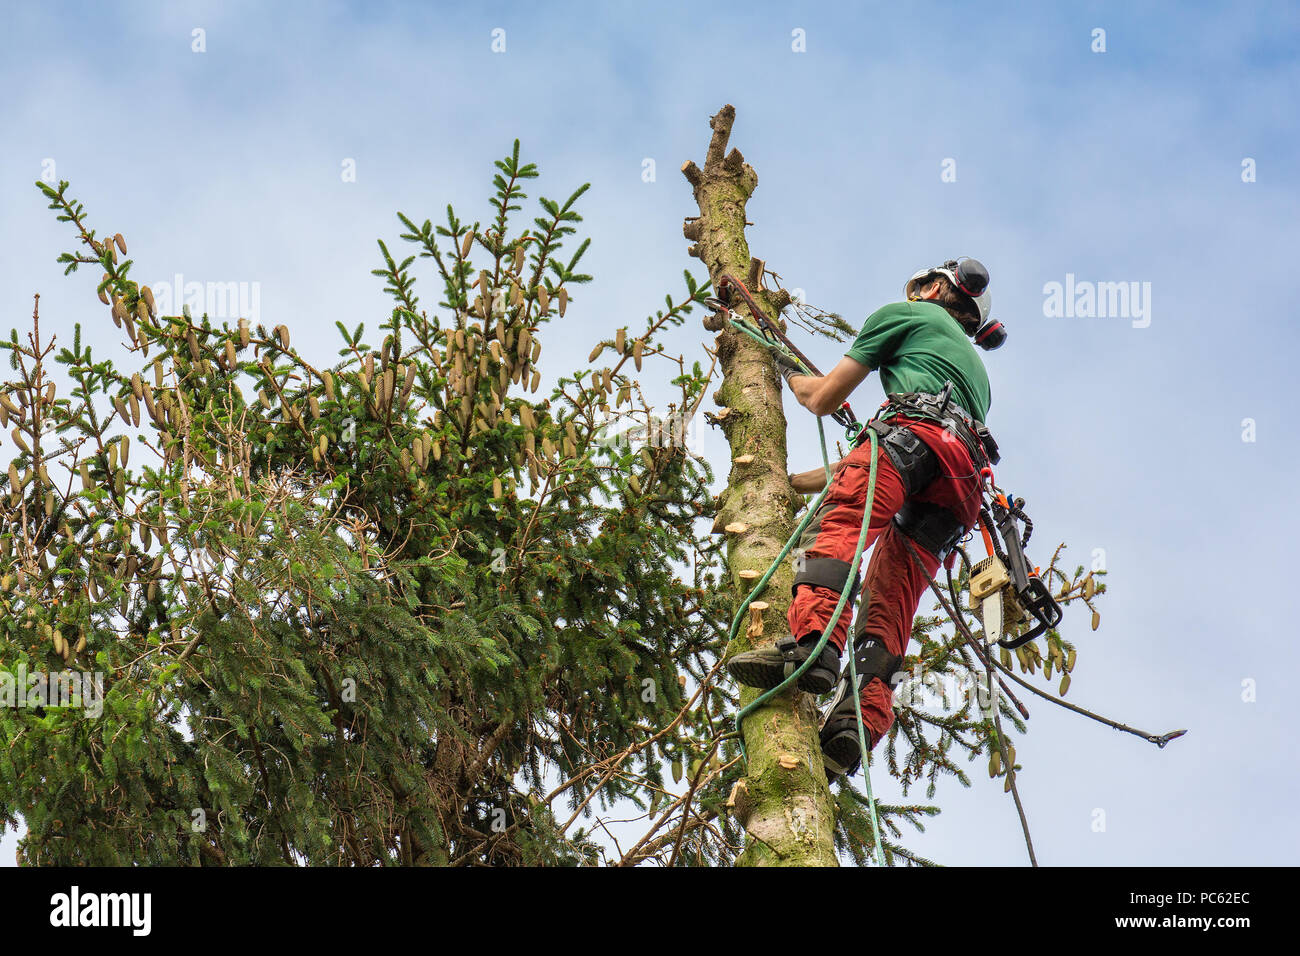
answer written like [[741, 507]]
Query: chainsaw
[[1012, 601]]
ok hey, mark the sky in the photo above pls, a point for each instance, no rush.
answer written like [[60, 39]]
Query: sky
[[1160, 153]]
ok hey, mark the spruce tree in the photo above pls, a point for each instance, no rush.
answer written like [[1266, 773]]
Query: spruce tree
[[394, 610]]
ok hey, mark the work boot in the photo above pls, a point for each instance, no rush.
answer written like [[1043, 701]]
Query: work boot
[[767, 666], [841, 748]]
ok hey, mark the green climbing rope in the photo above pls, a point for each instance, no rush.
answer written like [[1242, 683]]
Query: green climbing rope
[[839, 607]]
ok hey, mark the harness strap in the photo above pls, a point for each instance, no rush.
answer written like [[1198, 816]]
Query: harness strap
[[827, 573], [940, 408], [874, 661], [915, 462]]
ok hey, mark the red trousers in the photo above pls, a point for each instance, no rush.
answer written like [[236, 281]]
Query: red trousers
[[893, 583]]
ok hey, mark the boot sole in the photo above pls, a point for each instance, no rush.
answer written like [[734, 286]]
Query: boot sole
[[842, 753], [815, 680]]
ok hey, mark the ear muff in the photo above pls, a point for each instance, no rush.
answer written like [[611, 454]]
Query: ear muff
[[970, 276], [991, 335]]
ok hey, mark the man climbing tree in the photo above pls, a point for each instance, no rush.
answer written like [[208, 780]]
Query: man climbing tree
[[916, 479], [927, 491]]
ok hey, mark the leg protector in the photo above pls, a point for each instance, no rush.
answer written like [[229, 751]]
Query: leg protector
[[841, 751], [827, 573]]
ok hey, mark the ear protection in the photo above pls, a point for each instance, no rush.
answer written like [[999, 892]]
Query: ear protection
[[972, 278], [991, 335]]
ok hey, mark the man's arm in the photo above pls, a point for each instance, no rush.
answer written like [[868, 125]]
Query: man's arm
[[823, 394], [811, 482]]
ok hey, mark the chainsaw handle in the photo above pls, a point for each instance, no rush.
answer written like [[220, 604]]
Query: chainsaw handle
[[1024, 638], [1037, 600]]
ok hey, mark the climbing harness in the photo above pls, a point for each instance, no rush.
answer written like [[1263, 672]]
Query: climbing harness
[[943, 411]]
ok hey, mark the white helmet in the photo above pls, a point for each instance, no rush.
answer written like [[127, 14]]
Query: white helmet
[[967, 275]]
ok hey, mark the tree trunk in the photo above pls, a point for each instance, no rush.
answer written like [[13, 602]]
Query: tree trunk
[[784, 802]]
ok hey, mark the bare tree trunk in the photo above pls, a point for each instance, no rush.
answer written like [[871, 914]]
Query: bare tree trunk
[[784, 802]]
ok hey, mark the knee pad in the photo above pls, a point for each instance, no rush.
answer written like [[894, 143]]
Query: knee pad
[[827, 573]]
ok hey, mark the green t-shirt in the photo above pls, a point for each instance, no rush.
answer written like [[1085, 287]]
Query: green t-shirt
[[917, 347]]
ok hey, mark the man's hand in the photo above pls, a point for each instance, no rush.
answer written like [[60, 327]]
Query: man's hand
[[787, 365], [811, 482]]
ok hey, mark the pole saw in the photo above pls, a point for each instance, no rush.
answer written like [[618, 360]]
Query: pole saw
[[730, 291]]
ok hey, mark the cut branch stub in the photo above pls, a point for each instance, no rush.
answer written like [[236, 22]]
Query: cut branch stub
[[738, 802]]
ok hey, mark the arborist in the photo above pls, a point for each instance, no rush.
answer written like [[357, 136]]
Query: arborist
[[928, 489]]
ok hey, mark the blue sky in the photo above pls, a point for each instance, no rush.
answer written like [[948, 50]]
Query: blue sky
[[1122, 166]]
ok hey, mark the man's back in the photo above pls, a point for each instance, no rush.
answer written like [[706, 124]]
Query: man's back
[[917, 347]]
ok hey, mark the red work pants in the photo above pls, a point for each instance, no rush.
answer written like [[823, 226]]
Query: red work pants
[[893, 583]]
